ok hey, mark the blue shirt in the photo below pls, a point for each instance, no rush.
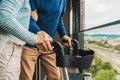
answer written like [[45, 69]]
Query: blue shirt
[[50, 14]]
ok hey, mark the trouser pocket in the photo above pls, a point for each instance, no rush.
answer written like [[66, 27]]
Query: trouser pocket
[[12, 53]]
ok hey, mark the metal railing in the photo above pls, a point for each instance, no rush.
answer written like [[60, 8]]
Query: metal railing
[[101, 26]]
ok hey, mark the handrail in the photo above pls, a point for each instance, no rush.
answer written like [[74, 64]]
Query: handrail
[[101, 26]]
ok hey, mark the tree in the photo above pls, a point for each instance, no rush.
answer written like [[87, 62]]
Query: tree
[[105, 75]]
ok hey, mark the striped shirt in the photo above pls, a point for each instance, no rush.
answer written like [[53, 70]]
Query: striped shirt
[[14, 20]]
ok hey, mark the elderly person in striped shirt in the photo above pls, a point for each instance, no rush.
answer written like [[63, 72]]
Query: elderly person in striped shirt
[[14, 23]]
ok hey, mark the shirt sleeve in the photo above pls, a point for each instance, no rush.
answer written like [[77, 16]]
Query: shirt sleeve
[[9, 23], [34, 28], [32, 4], [61, 28]]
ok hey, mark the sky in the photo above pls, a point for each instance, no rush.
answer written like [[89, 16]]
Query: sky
[[98, 12]]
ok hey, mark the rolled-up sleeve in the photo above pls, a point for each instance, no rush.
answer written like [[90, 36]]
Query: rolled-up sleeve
[[8, 22]]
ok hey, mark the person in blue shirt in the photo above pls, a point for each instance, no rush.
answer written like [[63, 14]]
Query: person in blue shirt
[[46, 15]]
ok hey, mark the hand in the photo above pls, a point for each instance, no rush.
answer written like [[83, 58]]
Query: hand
[[43, 41], [34, 15], [68, 39]]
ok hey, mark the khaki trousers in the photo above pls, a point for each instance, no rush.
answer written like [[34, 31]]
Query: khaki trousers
[[29, 59]]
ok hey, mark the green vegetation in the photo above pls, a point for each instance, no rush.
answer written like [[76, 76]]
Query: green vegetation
[[117, 47], [101, 43], [102, 70], [104, 44], [105, 75]]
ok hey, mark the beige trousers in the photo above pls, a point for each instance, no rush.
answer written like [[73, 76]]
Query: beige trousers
[[29, 59], [10, 55]]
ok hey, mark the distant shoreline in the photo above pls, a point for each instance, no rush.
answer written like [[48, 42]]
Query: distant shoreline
[[103, 35]]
